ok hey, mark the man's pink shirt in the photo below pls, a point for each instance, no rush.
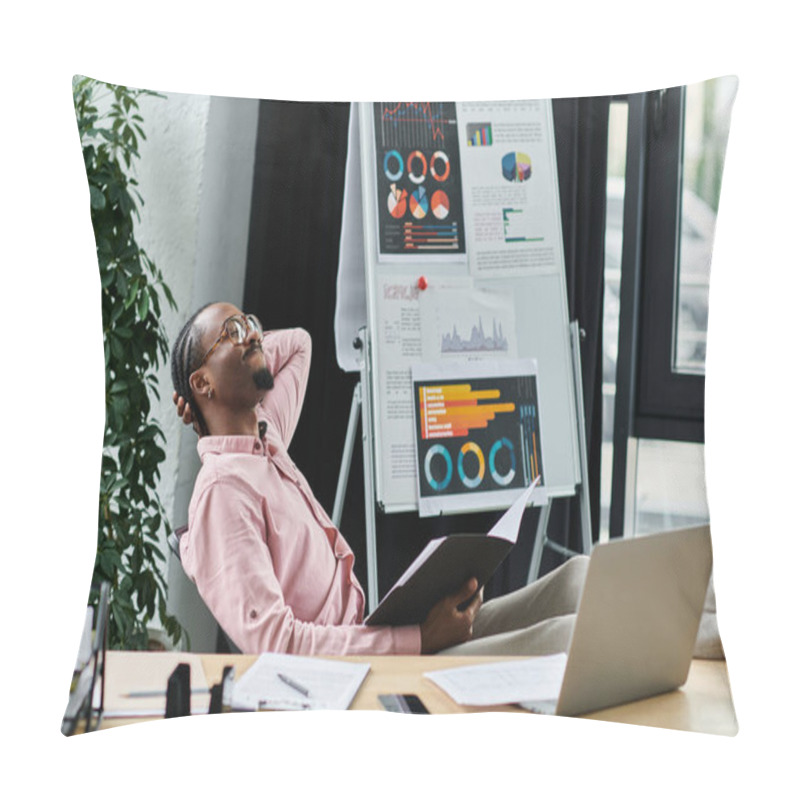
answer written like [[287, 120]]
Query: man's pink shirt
[[272, 568]]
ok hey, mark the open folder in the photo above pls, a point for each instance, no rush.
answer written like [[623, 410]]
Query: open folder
[[446, 564]]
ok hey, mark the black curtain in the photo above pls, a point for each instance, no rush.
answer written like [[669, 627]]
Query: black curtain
[[291, 281], [581, 128]]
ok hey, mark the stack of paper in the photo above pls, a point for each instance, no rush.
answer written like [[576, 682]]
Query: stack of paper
[[278, 681], [500, 682]]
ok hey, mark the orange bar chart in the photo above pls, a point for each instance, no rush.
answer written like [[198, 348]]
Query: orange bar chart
[[454, 410]]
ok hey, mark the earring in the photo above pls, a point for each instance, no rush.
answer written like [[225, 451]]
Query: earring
[[210, 393]]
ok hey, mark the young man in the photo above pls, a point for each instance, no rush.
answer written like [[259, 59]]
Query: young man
[[270, 565]]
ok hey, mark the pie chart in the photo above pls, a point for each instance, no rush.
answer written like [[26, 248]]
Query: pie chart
[[397, 201], [516, 167], [440, 204], [418, 204]]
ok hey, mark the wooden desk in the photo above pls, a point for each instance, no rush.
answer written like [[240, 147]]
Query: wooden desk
[[703, 704]]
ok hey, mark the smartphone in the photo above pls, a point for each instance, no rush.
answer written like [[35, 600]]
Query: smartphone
[[403, 703]]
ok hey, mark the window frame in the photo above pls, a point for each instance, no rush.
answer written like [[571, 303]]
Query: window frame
[[669, 404], [652, 400]]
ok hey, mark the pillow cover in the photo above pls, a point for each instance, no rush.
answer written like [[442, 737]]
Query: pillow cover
[[195, 199]]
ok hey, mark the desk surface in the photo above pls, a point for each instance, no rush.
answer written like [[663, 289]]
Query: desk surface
[[703, 704]]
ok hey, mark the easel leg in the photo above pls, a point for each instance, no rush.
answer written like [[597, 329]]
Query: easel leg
[[538, 543], [347, 457], [582, 488]]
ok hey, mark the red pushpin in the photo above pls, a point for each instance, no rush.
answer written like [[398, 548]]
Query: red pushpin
[[422, 283]]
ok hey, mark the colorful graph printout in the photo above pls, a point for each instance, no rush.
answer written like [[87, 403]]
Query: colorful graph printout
[[476, 435], [418, 174]]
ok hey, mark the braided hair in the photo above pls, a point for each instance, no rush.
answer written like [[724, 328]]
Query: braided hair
[[187, 353]]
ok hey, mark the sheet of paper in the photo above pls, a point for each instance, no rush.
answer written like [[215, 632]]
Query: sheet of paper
[[330, 684], [510, 188], [476, 433], [467, 324], [502, 682], [507, 527], [417, 176], [398, 339]]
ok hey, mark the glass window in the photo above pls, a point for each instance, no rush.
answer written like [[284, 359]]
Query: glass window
[[706, 122], [670, 486]]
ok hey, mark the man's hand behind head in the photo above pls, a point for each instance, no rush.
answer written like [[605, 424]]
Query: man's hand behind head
[[184, 411]]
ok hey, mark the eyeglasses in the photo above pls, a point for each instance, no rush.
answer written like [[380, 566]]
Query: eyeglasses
[[236, 328]]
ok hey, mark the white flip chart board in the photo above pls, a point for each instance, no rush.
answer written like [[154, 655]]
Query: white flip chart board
[[451, 250]]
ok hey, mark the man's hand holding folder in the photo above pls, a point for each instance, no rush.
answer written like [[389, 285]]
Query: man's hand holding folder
[[449, 622], [441, 591]]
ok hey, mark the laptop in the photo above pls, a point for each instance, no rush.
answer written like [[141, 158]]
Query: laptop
[[637, 621]]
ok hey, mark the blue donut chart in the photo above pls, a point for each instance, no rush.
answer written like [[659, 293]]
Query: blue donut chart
[[502, 480], [393, 176], [445, 482]]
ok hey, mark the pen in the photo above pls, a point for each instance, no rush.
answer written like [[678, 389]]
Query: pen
[[158, 693], [296, 686]]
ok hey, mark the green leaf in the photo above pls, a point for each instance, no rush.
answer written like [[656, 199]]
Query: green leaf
[[97, 198], [144, 305]]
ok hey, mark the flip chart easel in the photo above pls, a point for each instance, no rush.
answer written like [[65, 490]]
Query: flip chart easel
[[537, 304]]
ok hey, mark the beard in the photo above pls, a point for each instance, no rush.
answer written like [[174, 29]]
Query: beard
[[263, 379]]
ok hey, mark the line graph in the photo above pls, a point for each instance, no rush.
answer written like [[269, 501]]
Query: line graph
[[407, 125]]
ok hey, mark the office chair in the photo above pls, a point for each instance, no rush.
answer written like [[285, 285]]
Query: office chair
[[224, 642]]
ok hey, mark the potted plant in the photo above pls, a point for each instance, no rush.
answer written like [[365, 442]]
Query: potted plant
[[130, 514]]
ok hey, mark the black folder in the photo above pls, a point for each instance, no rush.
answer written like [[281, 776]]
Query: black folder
[[445, 565], [458, 558]]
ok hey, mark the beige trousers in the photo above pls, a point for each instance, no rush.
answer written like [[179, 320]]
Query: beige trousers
[[535, 620]]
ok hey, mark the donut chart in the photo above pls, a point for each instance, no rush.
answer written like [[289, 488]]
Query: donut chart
[[416, 159], [438, 450], [473, 482], [440, 157], [502, 480], [397, 173]]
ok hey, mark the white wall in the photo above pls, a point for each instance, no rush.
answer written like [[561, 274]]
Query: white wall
[[196, 177]]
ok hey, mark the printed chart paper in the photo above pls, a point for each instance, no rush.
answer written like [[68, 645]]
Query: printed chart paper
[[510, 188], [467, 324], [418, 181], [399, 343], [477, 434]]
